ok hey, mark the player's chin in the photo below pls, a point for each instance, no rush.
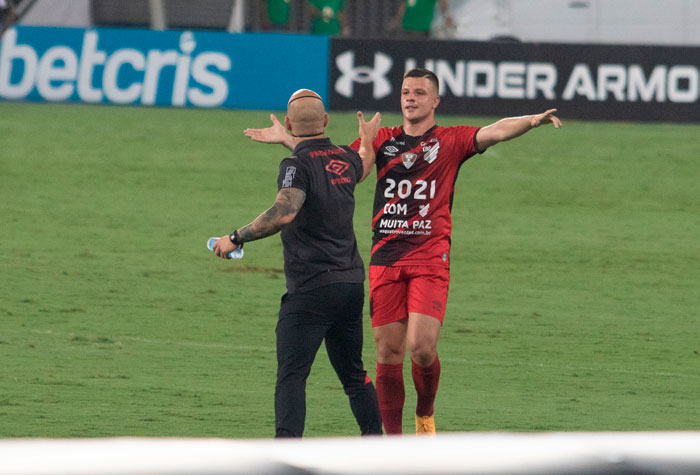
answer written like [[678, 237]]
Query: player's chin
[[410, 113]]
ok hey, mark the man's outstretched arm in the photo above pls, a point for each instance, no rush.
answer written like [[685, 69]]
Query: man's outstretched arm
[[282, 212], [512, 127], [368, 132], [276, 133]]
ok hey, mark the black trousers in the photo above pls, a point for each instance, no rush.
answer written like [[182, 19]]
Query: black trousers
[[332, 313]]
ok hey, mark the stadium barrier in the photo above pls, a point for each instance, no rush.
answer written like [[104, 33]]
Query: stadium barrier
[[467, 453], [261, 70]]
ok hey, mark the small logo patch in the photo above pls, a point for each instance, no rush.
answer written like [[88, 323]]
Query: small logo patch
[[289, 176], [408, 159], [338, 167], [431, 153]]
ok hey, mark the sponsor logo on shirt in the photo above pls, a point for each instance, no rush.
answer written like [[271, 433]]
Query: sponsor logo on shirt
[[326, 153], [338, 167], [390, 150]]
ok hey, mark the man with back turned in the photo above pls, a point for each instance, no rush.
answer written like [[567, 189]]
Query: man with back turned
[[324, 272]]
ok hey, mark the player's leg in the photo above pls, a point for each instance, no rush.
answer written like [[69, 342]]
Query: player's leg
[[300, 331], [389, 320], [427, 298], [423, 334], [344, 347], [391, 350]]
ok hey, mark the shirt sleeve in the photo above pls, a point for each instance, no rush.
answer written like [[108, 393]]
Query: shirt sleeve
[[291, 175], [383, 135], [466, 139]]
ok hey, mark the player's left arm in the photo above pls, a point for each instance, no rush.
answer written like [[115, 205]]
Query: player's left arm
[[282, 212], [512, 127]]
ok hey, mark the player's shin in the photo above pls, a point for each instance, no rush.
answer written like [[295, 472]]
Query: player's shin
[[391, 395]]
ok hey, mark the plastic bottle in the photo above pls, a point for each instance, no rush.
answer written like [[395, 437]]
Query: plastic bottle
[[237, 254]]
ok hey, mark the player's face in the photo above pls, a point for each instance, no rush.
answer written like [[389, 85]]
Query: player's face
[[419, 98]]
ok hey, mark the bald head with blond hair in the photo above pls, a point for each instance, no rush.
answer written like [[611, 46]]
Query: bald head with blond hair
[[306, 117]]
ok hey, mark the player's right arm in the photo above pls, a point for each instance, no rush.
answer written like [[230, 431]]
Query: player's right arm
[[368, 132], [285, 208], [276, 133]]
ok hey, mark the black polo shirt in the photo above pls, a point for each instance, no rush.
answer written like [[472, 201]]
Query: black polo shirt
[[319, 244]]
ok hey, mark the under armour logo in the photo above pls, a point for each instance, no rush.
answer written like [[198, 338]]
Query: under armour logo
[[337, 167], [363, 74]]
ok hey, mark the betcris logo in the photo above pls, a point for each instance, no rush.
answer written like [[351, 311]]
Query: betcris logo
[[161, 68], [93, 70]]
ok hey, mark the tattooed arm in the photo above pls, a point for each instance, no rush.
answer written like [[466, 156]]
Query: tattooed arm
[[281, 213]]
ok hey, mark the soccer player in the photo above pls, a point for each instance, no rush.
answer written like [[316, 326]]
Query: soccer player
[[417, 166], [323, 269]]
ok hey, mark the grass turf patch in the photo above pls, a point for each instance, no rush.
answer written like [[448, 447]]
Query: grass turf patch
[[573, 302]]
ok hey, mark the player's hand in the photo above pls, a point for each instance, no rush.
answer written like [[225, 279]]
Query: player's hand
[[369, 130], [276, 133], [546, 117], [223, 247]]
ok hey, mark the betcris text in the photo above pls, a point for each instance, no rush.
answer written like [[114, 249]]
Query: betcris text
[[110, 66]]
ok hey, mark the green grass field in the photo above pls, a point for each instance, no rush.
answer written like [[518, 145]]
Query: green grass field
[[574, 302]]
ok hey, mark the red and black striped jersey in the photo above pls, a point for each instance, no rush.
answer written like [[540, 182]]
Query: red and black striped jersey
[[416, 177]]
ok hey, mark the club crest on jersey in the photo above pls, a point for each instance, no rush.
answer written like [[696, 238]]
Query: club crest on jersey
[[431, 153], [408, 159]]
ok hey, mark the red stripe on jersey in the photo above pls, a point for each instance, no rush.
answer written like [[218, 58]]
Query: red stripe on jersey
[[391, 164]]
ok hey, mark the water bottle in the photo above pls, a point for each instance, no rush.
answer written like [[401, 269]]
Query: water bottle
[[237, 254]]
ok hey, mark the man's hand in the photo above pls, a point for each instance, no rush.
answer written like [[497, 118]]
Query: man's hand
[[369, 130], [276, 133], [223, 247], [546, 117]]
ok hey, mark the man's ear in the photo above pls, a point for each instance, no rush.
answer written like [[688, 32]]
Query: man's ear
[[287, 123], [325, 120]]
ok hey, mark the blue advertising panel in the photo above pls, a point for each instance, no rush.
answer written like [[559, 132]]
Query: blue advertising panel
[[160, 68]]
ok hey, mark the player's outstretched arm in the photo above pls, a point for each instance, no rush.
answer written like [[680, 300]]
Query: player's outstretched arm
[[368, 132], [512, 127], [276, 133], [282, 212]]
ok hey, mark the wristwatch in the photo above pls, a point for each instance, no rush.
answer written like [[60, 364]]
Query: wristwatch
[[235, 238]]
